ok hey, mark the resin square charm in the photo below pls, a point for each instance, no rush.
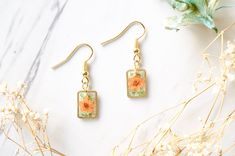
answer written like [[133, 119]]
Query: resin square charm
[[87, 104], [136, 83]]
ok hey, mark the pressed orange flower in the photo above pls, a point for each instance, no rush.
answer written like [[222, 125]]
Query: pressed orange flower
[[136, 83], [87, 105]]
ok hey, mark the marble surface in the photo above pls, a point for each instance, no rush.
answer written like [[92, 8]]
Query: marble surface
[[35, 35]]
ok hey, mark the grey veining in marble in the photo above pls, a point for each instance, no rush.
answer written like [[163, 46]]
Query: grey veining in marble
[[27, 23]]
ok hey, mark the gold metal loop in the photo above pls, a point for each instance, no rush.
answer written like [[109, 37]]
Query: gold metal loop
[[137, 58], [124, 31], [85, 80], [137, 61], [68, 58]]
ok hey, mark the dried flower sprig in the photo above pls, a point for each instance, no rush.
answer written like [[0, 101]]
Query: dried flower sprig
[[206, 140], [18, 122], [194, 12]]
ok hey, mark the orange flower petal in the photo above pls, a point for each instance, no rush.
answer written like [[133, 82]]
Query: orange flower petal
[[87, 105], [135, 83]]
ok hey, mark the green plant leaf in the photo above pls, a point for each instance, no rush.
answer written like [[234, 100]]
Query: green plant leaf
[[193, 12]]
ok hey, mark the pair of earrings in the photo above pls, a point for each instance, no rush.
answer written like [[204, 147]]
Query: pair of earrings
[[136, 78]]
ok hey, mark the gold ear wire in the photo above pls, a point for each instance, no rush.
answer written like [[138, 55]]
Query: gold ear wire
[[69, 57], [124, 31]]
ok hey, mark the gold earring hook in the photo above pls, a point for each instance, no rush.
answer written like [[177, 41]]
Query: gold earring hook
[[68, 58], [124, 31]]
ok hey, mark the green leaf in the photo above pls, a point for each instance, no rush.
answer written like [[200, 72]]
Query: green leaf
[[193, 12]]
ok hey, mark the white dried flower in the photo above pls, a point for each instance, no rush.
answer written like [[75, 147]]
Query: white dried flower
[[15, 111], [24, 119]]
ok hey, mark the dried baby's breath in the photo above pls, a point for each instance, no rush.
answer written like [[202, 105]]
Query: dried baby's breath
[[16, 117], [164, 140]]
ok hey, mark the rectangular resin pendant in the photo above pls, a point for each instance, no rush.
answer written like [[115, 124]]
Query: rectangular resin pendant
[[87, 104], [136, 83]]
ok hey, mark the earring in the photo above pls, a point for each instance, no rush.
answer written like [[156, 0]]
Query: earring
[[136, 78], [86, 99]]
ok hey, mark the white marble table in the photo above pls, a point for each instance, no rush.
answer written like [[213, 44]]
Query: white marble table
[[34, 35]]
